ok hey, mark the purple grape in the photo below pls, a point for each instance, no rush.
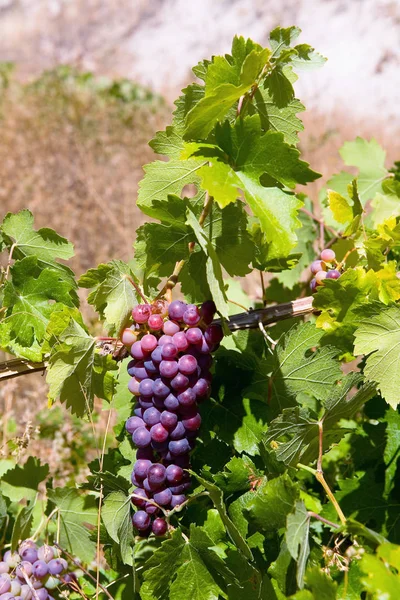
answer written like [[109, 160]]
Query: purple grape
[[145, 402], [180, 488], [4, 568], [147, 488], [170, 328], [160, 388], [40, 569], [133, 386], [146, 387], [158, 433], [145, 454], [9, 596], [168, 420], [187, 397], [137, 351], [141, 467], [131, 366], [176, 310], [133, 423], [141, 437], [156, 475], [55, 566], [164, 339], [174, 474], [317, 265], [179, 447], [148, 342], [163, 498], [139, 372], [201, 387], [187, 364], [214, 334], [191, 316], [156, 355], [178, 499], [159, 446], [180, 341], [141, 520], [151, 509], [171, 402], [194, 335], [5, 584], [141, 502], [169, 351], [159, 527], [333, 274], [43, 594], [151, 416], [151, 368], [155, 322], [328, 255], [179, 382], [24, 566], [138, 411], [192, 423], [178, 432], [168, 368], [207, 311]]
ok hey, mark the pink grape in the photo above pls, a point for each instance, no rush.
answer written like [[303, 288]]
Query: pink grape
[[155, 323], [171, 328], [187, 364], [169, 368], [141, 313], [169, 351], [191, 316], [128, 337], [320, 276], [176, 310], [148, 342], [137, 351], [327, 255], [193, 423], [194, 335], [180, 341], [317, 265]]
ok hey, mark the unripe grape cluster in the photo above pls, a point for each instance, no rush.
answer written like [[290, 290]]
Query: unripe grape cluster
[[325, 268], [32, 572], [171, 348]]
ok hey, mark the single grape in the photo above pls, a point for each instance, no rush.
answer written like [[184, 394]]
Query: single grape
[[327, 255], [146, 387], [180, 341], [151, 509], [159, 527], [176, 310], [171, 402], [333, 274], [128, 337], [170, 328], [178, 489], [141, 520], [148, 342], [163, 498], [177, 500], [168, 420], [313, 285], [40, 569], [191, 316], [151, 368], [179, 447], [5, 584], [147, 488], [141, 437], [179, 382], [151, 416], [4, 568], [9, 596], [155, 322], [320, 276], [133, 423], [139, 370], [165, 339], [137, 351], [141, 468], [207, 311], [193, 423], [201, 387], [214, 334], [133, 386], [141, 313], [24, 567], [45, 553], [205, 347], [174, 474], [194, 335], [42, 594], [139, 501], [156, 475], [15, 587], [178, 432], [168, 368], [317, 265], [187, 397], [169, 351], [187, 364], [145, 402], [160, 307], [158, 433], [156, 355], [160, 388], [11, 559], [55, 566]]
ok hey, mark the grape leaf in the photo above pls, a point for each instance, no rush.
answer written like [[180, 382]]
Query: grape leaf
[[22, 526], [237, 474], [77, 514], [274, 500], [381, 572], [113, 295], [116, 516], [322, 586], [378, 337], [278, 118], [22, 482], [296, 536], [392, 448], [301, 429], [45, 243]]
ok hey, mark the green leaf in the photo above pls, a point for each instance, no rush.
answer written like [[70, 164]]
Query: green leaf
[[392, 448], [22, 526], [21, 483], [296, 535], [382, 577], [237, 475], [274, 500], [322, 586], [295, 424], [278, 118], [161, 567], [113, 295], [45, 244], [378, 337], [77, 513], [116, 516]]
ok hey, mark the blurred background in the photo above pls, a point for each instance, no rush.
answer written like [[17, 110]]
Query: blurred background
[[84, 84]]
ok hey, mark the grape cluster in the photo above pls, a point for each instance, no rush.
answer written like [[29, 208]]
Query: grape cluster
[[171, 348], [32, 571], [325, 268]]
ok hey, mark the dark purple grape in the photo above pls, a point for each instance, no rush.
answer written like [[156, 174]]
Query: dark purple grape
[[135, 481], [194, 335], [168, 420], [40, 569], [187, 364], [159, 527], [55, 566], [192, 423], [141, 502], [187, 397], [171, 402], [204, 361], [145, 454], [158, 433], [201, 387], [133, 423], [158, 403], [147, 488], [156, 475], [207, 311], [151, 368], [29, 554], [178, 432], [148, 342], [155, 322], [174, 474], [156, 355], [179, 382], [214, 334], [159, 446], [141, 437], [170, 328], [179, 447], [151, 416], [141, 520], [333, 274], [131, 366], [133, 386], [151, 509], [176, 310], [141, 467], [146, 387], [145, 402], [168, 368], [137, 351], [182, 461], [180, 341], [178, 499], [163, 498], [169, 351], [141, 313]]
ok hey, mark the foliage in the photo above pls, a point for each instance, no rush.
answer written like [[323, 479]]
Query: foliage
[[297, 489]]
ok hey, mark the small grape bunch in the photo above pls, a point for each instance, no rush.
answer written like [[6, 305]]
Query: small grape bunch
[[32, 571], [325, 268], [171, 348]]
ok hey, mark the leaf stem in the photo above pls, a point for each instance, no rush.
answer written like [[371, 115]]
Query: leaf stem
[[326, 521], [320, 477], [9, 260], [137, 288]]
